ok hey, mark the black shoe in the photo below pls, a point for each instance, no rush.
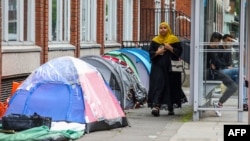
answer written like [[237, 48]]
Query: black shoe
[[170, 113], [156, 111], [170, 110]]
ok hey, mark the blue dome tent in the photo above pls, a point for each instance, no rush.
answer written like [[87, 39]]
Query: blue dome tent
[[69, 89]]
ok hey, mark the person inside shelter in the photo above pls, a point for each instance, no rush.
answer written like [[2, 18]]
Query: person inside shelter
[[227, 65], [214, 64]]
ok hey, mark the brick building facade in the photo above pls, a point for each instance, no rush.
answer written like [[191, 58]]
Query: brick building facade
[[19, 58]]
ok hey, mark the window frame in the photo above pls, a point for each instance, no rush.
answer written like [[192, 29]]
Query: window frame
[[128, 21], [63, 22], [20, 23], [91, 16], [110, 21], [157, 15]]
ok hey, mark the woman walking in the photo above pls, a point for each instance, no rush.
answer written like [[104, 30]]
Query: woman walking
[[162, 90]]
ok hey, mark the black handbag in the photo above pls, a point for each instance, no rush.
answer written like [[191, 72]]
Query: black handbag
[[19, 122]]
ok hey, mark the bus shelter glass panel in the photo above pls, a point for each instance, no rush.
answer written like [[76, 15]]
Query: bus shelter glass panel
[[219, 51]]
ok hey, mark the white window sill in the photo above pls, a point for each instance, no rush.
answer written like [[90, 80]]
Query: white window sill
[[90, 45], [23, 48], [112, 44], [61, 47]]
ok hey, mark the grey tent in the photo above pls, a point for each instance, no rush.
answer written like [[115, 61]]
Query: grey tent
[[121, 80], [142, 64], [110, 75], [133, 85]]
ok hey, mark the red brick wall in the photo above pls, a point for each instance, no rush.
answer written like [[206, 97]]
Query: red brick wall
[[119, 21], [135, 20], [147, 3], [184, 6], [100, 24], [75, 26], [149, 27], [147, 18], [42, 28]]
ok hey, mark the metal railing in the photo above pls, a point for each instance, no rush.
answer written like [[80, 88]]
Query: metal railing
[[150, 19], [136, 44]]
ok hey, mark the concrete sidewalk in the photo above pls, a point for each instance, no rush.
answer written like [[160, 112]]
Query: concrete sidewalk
[[179, 127], [209, 128]]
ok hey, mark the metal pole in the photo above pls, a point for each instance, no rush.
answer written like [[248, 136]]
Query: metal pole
[[194, 57], [241, 43], [248, 53]]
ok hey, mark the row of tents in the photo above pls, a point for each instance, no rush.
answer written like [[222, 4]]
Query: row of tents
[[92, 90]]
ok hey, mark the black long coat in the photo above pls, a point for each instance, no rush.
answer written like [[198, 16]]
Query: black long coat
[[164, 85]]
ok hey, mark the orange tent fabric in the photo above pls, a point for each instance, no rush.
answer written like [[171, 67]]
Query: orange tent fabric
[[15, 85], [4, 105]]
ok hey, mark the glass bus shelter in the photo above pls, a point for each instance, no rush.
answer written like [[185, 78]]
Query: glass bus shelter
[[207, 84]]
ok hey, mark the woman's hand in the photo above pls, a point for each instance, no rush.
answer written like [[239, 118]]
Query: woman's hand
[[213, 66], [160, 50], [168, 47]]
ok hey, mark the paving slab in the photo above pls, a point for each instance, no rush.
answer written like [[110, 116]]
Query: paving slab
[[179, 127]]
